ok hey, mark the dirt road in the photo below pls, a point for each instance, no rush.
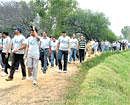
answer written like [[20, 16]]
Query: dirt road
[[51, 88]]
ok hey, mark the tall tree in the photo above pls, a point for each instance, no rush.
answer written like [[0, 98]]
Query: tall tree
[[126, 32], [15, 14]]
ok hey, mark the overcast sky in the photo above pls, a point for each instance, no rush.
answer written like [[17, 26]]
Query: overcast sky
[[116, 10]]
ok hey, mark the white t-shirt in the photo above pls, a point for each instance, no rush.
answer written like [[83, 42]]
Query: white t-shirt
[[107, 43], [33, 47], [53, 45], [64, 43], [45, 42], [74, 43], [6, 44], [17, 42]]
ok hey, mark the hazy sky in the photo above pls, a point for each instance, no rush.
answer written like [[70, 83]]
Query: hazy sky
[[116, 10]]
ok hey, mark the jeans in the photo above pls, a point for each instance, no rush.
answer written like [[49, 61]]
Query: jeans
[[44, 53], [81, 55], [62, 53], [73, 53], [17, 58], [5, 62], [54, 56], [17, 66]]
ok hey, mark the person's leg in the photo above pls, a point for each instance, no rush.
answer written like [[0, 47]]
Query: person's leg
[[71, 53], [74, 54], [59, 59], [17, 66], [42, 59], [15, 59], [21, 61], [65, 60], [46, 52], [29, 65], [83, 52], [1, 58], [3, 61], [52, 59], [35, 68], [6, 63], [80, 55], [55, 56]]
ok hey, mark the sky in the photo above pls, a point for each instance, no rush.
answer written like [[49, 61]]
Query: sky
[[116, 10]]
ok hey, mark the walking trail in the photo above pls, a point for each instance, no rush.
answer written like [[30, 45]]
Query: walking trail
[[51, 87]]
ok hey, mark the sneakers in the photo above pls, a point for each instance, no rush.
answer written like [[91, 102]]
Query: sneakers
[[23, 78], [16, 70], [9, 79], [69, 62], [34, 82], [64, 71], [3, 74], [59, 71], [30, 78]]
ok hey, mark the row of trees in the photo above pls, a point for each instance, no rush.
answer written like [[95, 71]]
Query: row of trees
[[55, 16], [126, 32]]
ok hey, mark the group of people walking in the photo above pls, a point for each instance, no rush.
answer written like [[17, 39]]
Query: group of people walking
[[50, 51]]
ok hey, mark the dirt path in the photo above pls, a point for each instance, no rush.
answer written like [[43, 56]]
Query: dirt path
[[51, 88]]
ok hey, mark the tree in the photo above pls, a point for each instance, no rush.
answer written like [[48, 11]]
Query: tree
[[15, 14], [126, 32], [92, 25]]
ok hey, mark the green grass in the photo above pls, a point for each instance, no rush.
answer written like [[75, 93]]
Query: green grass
[[104, 80]]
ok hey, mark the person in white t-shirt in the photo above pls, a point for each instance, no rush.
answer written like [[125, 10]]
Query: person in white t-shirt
[[6, 51], [45, 50], [73, 47], [33, 54], [62, 49], [18, 54], [53, 52]]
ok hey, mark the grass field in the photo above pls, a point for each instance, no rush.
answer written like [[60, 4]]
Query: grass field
[[104, 80]]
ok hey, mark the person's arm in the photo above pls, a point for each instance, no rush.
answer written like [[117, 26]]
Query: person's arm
[[22, 47], [50, 47], [9, 45], [36, 34], [58, 45]]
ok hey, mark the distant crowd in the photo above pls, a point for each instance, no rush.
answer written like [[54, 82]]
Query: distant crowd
[[50, 51]]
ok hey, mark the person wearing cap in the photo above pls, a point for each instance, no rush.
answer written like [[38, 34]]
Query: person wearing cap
[[62, 50], [6, 51], [18, 54], [45, 50]]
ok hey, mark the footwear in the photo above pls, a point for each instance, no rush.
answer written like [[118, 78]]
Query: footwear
[[16, 70], [29, 78], [23, 78], [59, 71], [69, 62], [9, 79], [44, 72], [34, 82], [3, 74], [65, 71]]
